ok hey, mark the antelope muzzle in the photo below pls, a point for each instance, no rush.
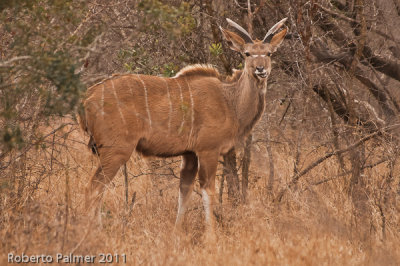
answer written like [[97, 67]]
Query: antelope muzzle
[[261, 72]]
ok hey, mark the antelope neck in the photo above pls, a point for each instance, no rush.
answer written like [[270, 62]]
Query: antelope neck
[[248, 101]]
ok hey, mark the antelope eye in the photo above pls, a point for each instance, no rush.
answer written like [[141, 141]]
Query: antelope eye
[[269, 54], [247, 53]]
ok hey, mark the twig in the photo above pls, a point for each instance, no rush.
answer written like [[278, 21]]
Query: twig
[[348, 172], [239, 6], [28, 147], [65, 231], [126, 185], [284, 113], [221, 188], [335, 14], [351, 20], [12, 60], [271, 177], [297, 176], [132, 203]]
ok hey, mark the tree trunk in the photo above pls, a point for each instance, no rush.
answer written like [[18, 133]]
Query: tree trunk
[[245, 167]]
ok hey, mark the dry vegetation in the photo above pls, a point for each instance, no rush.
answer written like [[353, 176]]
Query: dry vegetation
[[323, 178], [313, 225]]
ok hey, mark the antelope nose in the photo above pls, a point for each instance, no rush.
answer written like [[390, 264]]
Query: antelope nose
[[260, 68]]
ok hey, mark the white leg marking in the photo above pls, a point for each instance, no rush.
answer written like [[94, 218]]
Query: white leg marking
[[170, 107], [181, 107], [206, 204], [145, 97], [102, 100], [118, 103], [191, 111], [181, 208]]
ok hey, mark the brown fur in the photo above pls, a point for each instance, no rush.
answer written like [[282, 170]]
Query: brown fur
[[234, 77], [196, 114]]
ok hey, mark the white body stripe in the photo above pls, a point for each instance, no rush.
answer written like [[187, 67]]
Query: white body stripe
[[102, 100], [145, 97], [133, 105], [118, 103], [130, 88], [170, 106], [183, 111], [191, 111]]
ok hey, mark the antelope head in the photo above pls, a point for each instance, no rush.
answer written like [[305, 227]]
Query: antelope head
[[257, 53]]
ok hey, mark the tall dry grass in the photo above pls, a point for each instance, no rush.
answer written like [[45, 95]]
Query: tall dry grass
[[313, 225]]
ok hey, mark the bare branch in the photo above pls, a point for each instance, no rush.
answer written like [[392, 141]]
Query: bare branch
[[349, 172], [14, 59], [351, 20], [311, 166]]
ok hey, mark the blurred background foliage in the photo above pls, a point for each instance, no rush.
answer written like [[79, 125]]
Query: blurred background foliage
[[174, 20], [39, 75]]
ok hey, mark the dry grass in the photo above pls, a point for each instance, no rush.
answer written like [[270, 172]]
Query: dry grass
[[314, 225]]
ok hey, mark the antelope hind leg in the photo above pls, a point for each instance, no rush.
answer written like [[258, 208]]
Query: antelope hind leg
[[111, 159], [188, 174]]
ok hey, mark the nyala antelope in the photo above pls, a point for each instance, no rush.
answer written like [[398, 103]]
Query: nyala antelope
[[197, 115]]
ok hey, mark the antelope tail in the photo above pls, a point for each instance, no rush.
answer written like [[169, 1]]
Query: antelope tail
[[81, 115]]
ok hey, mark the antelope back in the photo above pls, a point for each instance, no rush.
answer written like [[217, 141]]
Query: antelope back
[[181, 110]]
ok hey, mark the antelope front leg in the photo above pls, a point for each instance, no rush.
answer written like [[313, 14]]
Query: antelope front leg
[[208, 168]]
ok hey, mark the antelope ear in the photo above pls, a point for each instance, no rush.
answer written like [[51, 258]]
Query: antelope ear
[[235, 42], [277, 40]]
